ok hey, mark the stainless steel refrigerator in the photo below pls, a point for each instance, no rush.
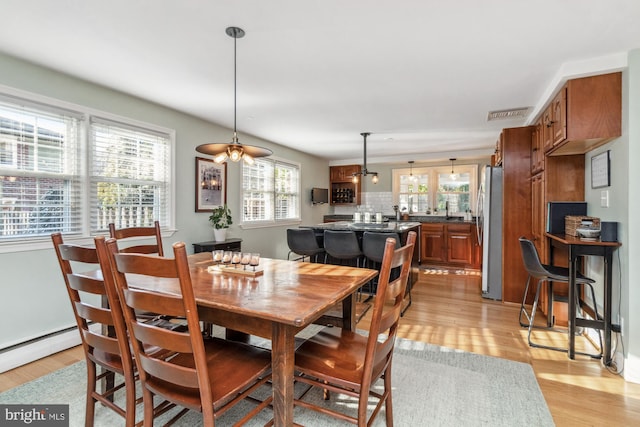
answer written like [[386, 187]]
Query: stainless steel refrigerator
[[489, 227]]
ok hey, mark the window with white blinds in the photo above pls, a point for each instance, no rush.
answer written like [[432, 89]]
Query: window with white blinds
[[74, 172], [270, 192], [129, 175], [40, 185]]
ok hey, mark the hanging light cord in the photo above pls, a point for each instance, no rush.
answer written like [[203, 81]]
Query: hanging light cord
[[235, 84]]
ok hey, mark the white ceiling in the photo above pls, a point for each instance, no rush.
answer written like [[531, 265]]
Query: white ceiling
[[420, 75]]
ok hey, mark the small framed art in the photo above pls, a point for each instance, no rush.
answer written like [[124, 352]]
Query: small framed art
[[211, 184], [600, 173]]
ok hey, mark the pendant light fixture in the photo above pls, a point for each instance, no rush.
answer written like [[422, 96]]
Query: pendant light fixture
[[365, 172], [233, 150], [411, 177], [453, 175]]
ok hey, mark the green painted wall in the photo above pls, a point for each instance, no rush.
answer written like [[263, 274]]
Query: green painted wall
[[31, 280]]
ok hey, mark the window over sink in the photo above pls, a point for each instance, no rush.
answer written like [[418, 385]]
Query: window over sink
[[429, 190]]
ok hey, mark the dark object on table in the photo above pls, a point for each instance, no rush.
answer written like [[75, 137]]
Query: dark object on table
[[557, 211], [609, 231]]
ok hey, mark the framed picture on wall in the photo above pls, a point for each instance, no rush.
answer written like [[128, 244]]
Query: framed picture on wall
[[211, 184], [600, 174]]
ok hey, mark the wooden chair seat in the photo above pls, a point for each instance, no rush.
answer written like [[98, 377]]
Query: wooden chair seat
[[335, 353]]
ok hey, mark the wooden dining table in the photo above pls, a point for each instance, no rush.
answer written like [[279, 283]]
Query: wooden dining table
[[276, 303]]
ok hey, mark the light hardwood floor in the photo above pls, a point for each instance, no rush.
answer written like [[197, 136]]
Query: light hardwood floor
[[448, 310]]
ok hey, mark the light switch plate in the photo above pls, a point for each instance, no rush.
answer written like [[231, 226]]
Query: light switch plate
[[604, 199]]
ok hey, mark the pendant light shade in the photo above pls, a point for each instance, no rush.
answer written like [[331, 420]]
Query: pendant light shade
[[453, 175], [233, 151], [411, 177], [365, 172]]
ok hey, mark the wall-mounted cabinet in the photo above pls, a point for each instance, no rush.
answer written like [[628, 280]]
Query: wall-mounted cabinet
[[343, 190], [583, 115], [537, 148]]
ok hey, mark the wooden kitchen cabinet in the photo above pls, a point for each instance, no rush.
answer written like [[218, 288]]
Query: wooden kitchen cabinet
[[433, 243], [559, 117], [459, 244], [516, 208], [498, 152], [585, 114], [343, 190], [343, 173], [537, 148], [449, 244]]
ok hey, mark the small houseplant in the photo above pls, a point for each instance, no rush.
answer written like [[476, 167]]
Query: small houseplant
[[220, 220]]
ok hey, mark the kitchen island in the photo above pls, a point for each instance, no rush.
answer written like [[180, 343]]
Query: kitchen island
[[401, 227], [449, 242]]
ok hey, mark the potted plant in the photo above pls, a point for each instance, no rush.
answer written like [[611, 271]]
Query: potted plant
[[220, 220]]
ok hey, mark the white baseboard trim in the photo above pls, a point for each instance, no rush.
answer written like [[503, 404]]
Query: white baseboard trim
[[46, 346]]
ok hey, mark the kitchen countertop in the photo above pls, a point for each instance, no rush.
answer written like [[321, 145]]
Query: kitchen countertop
[[412, 218], [388, 227]]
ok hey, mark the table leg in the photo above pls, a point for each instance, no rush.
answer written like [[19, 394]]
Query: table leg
[[282, 366], [608, 284], [573, 266], [349, 313]]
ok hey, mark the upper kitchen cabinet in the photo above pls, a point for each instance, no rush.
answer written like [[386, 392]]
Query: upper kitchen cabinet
[[537, 149], [584, 114], [497, 157], [343, 190]]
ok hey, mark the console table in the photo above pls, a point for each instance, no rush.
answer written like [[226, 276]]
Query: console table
[[225, 245]]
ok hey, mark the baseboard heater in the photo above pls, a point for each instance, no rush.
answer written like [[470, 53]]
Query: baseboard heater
[[37, 348]]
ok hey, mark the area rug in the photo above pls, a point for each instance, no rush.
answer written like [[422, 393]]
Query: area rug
[[432, 385]]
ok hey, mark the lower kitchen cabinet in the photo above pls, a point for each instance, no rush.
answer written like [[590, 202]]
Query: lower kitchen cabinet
[[433, 243], [450, 244]]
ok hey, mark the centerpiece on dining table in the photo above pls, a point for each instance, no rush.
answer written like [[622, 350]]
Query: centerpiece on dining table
[[243, 263]]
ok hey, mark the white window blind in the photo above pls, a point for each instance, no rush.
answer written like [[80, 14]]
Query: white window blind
[[130, 175], [270, 191], [40, 187]]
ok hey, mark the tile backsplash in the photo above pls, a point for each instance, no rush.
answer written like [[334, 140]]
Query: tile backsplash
[[381, 201]]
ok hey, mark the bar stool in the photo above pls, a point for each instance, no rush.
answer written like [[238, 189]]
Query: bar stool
[[342, 246], [549, 274], [302, 241], [373, 244]]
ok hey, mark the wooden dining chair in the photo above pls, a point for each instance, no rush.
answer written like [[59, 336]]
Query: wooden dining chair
[[208, 376], [102, 328], [347, 362], [126, 234]]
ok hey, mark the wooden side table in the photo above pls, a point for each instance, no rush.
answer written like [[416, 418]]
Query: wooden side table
[[226, 245]]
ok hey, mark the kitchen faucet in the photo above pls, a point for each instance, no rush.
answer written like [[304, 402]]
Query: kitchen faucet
[[446, 208]]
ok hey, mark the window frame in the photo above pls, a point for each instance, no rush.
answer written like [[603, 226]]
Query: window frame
[[432, 172], [274, 160], [85, 236]]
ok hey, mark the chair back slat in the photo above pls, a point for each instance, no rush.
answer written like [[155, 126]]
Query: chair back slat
[[172, 341], [94, 314], [123, 234], [102, 342], [176, 374]]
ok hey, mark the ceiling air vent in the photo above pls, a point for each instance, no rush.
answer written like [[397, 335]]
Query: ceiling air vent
[[511, 114]]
